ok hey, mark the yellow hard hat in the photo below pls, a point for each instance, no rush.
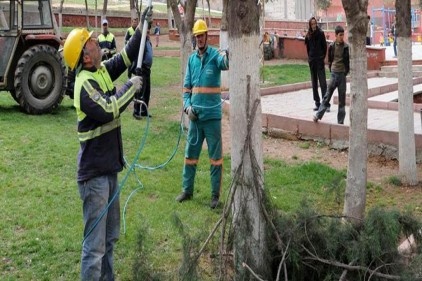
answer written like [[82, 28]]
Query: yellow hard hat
[[73, 46], [199, 27]]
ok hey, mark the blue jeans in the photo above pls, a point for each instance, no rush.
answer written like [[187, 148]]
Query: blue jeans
[[337, 80], [97, 248]]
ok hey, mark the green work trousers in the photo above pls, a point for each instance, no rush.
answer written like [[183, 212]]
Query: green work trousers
[[210, 130]]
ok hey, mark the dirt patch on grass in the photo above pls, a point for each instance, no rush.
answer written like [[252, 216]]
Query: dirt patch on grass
[[379, 169]]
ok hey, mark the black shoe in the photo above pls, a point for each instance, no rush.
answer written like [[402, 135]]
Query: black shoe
[[328, 109], [146, 115], [137, 116], [214, 202], [316, 108], [183, 197]]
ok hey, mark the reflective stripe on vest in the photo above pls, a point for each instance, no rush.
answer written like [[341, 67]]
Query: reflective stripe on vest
[[206, 90], [108, 38], [84, 136], [103, 79], [131, 31]]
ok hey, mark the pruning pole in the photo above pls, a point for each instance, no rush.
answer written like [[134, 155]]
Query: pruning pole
[[144, 37]]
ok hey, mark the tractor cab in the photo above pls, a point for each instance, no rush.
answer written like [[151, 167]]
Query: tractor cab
[[31, 67]]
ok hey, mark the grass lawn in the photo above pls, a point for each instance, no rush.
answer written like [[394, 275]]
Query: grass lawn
[[286, 74], [41, 225]]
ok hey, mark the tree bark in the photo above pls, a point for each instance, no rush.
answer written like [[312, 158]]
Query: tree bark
[[86, 14], [407, 150], [184, 27], [249, 225], [355, 195], [224, 43], [103, 16]]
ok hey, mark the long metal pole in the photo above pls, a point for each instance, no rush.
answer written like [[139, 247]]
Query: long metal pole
[[143, 38]]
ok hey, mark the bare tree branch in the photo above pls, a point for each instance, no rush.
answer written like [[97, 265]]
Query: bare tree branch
[[350, 267], [252, 272]]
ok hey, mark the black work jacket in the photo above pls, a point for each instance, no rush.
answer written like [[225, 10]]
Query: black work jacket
[[98, 106], [346, 58], [316, 45]]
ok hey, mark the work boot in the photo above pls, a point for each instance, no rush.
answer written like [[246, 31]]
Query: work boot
[[214, 202], [183, 197]]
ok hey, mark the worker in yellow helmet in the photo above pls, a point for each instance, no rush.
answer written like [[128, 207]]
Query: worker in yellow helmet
[[107, 42], [98, 107], [202, 104]]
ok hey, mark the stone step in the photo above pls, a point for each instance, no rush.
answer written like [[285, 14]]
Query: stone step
[[394, 68], [390, 74]]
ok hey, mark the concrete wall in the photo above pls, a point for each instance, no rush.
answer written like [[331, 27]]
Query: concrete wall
[[294, 48], [287, 9]]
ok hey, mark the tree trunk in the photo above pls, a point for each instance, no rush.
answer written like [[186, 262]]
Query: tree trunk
[[86, 14], [224, 44], [60, 17], [169, 16], [184, 27], [355, 195], [134, 14], [103, 16], [407, 150], [249, 225]]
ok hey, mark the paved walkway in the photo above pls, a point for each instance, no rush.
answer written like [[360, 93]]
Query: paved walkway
[[291, 111], [299, 105]]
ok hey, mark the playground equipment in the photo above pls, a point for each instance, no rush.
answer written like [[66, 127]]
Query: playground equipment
[[384, 17]]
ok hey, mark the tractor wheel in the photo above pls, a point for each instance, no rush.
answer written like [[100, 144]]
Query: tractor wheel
[[13, 94], [39, 79]]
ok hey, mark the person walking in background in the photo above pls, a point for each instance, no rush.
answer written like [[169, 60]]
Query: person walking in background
[[368, 32], [141, 109], [394, 33], [339, 65], [316, 48], [98, 105], [157, 32], [107, 42], [129, 32], [202, 104]]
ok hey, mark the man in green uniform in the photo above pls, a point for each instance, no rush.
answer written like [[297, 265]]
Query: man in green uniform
[[202, 104]]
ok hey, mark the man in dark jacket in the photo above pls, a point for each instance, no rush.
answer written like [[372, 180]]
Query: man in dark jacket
[[316, 47], [107, 42], [98, 107], [339, 65]]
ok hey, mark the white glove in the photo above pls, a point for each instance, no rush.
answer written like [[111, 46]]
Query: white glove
[[137, 82], [147, 15], [105, 51], [191, 113]]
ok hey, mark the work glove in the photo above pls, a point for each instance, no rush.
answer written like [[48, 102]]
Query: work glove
[[191, 113], [105, 52], [137, 82], [147, 15]]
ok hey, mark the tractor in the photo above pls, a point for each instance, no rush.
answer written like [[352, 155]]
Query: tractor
[[31, 66]]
